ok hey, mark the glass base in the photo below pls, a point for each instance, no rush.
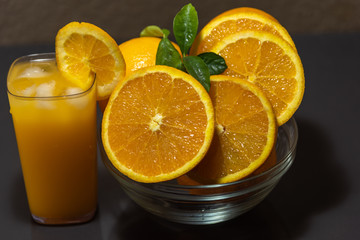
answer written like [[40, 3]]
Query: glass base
[[64, 221]]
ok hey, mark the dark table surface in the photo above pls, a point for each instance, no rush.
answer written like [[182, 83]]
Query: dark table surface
[[318, 198]]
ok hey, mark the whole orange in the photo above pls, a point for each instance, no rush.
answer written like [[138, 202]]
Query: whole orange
[[138, 53]]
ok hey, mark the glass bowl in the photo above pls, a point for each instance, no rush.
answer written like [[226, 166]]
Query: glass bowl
[[208, 204]]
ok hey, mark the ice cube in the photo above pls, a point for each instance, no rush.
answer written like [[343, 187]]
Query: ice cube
[[45, 89], [46, 103], [34, 72], [29, 91], [77, 101], [72, 90]]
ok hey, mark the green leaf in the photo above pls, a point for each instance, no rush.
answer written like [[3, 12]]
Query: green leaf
[[215, 62], [185, 26], [154, 31], [197, 68], [168, 55]]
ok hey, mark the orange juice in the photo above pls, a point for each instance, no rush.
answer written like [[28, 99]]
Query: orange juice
[[55, 126]]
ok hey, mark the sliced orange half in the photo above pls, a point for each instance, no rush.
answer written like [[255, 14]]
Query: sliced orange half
[[236, 20], [82, 49], [158, 124], [245, 131], [269, 62]]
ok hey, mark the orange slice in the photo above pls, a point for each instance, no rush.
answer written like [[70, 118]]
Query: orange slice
[[236, 20], [82, 49], [158, 124], [245, 131], [269, 62]]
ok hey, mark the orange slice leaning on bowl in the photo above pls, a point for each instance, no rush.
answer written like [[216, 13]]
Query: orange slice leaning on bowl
[[83, 49], [158, 124], [236, 20], [245, 132]]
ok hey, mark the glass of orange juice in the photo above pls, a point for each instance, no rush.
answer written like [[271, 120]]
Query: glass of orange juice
[[55, 127]]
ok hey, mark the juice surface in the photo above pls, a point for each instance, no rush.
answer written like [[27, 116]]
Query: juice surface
[[56, 139]]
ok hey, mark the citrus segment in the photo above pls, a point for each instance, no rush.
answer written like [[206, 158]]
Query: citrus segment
[[236, 20], [245, 131], [158, 124], [269, 62], [83, 49]]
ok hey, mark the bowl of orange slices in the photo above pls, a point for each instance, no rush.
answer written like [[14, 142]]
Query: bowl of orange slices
[[185, 201], [186, 146], [197, 157]]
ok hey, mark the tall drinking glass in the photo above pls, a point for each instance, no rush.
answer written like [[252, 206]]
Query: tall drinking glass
[[55, 127]]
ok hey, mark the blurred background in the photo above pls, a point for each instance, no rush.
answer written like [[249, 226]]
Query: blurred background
[[36, 22]]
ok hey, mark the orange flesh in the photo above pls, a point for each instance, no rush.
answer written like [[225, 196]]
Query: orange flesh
[[241, 134], [100, 59], [155, 133], [266, 65]]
